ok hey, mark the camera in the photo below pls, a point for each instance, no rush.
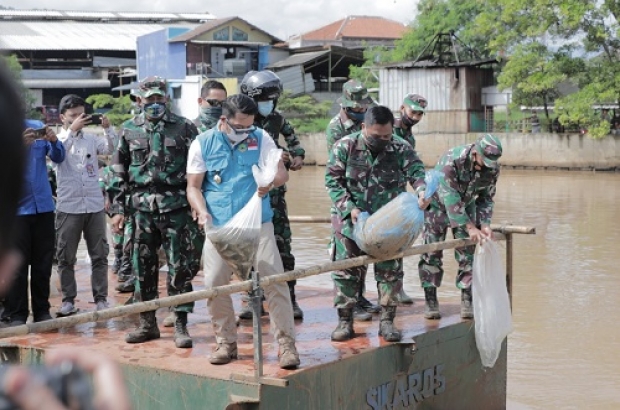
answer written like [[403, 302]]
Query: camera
[[70, 384], [95, 119], [40, 132]]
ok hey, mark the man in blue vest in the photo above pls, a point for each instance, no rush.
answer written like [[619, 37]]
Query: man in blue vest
[[219, 184]]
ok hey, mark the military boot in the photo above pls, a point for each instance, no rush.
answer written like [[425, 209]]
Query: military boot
[[182, 339], [360, 314], [367, 305], [289, 358], [170, 319], [344, 330], [127, 286], [403, 298], [223, 353], [432, 305], [297, 312], [387, 328], [246, 309], [467, 309], [118, 257], [148, 329]]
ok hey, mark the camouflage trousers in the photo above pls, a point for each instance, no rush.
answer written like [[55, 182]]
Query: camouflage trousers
[[349, 282], [122, 248], [282, 229], [178, 234], [430, 267]]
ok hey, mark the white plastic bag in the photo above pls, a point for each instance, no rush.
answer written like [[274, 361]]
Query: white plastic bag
[[493, 317], [237, 240]]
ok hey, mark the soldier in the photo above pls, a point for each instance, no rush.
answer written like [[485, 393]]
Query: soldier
[[353, 105], [212, 95], [364, 172], [148, 185], [265, 88], [217, 166], [464, 202], [411, 113]]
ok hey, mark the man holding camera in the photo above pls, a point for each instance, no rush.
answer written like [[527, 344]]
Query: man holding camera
[[80, 203]]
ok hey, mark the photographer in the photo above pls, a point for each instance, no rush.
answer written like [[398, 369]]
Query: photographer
[[80, 203], [35, 228], [18, 384]]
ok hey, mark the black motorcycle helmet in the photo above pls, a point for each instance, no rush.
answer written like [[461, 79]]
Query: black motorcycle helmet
[[262, 85]]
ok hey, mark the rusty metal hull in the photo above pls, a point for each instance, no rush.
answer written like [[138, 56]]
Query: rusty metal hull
[[436, 366]]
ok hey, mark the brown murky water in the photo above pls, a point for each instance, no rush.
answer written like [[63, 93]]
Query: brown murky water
[[566, 291]]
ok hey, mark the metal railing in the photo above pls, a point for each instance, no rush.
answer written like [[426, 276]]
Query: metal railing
[[503, 232]]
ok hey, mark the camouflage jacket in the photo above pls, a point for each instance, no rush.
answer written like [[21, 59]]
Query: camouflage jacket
[[354, 179], [406, 135], [340, 126], [275, 124], [149, 165], [463, 188], [51, 176]]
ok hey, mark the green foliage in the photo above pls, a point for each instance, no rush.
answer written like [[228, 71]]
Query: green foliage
[[120, 107], [15, 69], [304, 112], [441, 16], [366, 74]]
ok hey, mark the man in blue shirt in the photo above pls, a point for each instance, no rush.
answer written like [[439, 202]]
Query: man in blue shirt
[[35, 232]]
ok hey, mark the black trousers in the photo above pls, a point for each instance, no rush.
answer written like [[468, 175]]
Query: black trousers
[[35, 241]]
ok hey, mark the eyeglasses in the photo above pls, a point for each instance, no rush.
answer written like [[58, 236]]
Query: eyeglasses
[[214, 103], [241, 130]]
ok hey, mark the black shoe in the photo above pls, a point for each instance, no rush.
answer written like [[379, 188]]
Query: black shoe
[[42, 317], [16, 322], [467, 308], [344, 330], [367, 305], [126, 287], [432, 305], [360, 314]]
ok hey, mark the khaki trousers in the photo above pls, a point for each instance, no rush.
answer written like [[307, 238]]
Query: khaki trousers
[[218, 273]]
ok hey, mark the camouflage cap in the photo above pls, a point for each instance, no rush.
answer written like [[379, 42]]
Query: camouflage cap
[[416, 102], [490, 148], [153, 85], [354, 95]]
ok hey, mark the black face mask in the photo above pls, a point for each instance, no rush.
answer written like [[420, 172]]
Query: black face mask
[[376, 145], [407, 121]]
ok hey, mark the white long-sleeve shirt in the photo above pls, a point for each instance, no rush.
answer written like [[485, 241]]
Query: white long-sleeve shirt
[[77, 176]]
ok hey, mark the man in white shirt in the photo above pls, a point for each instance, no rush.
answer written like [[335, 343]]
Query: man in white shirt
[[80, 206], [220, 184]]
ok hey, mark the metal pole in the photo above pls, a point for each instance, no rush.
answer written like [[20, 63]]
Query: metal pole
[[509, 266], [256, 296], [329, 71]]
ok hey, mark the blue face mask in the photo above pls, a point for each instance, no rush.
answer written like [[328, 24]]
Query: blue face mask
[[355, 116], [154, 110], [265, 107]]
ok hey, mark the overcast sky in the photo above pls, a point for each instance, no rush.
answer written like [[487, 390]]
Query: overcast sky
[[281, 18]]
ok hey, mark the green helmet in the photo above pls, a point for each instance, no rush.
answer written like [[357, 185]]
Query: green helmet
[[490, 148], [153, 85], [416, 102], [354, 95]]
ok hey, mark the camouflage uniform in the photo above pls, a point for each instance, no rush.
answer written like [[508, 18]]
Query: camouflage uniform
[[464, 195], [403, 126], [275, 124], [406, 135], [148, 179], [205, 122], [121, 242], [354, 95], [355, 180]]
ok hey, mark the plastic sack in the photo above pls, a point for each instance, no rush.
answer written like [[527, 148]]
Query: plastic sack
[[237, 240], [491, 303], [395, 226]]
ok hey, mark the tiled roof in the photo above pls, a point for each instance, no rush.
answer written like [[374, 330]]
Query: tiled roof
[[358, 27]]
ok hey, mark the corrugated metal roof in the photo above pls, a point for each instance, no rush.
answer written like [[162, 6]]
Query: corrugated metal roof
[[34, 15], [65, 79], [73, 36], [299, 59]]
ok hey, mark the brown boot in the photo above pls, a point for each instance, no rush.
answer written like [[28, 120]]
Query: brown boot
[[344, 330], [148, 329], [182, 339], [289, 358], [223, 353], [387, 328]]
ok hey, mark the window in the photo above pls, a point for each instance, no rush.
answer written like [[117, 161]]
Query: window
[[176, 92], [221, 35], [239, 35]]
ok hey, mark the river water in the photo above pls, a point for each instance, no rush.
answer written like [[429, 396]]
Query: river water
[[566, 287]]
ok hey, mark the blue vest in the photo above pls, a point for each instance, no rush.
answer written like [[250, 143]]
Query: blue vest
[[233, 167]]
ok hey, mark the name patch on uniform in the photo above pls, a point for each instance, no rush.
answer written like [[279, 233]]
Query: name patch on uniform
[[252, 144]]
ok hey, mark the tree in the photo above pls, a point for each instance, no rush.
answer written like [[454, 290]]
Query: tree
[[15, 69], [366, 74], [120, 107], [587, 30]]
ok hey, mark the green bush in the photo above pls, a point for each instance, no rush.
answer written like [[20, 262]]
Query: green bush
[[304, 112]]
